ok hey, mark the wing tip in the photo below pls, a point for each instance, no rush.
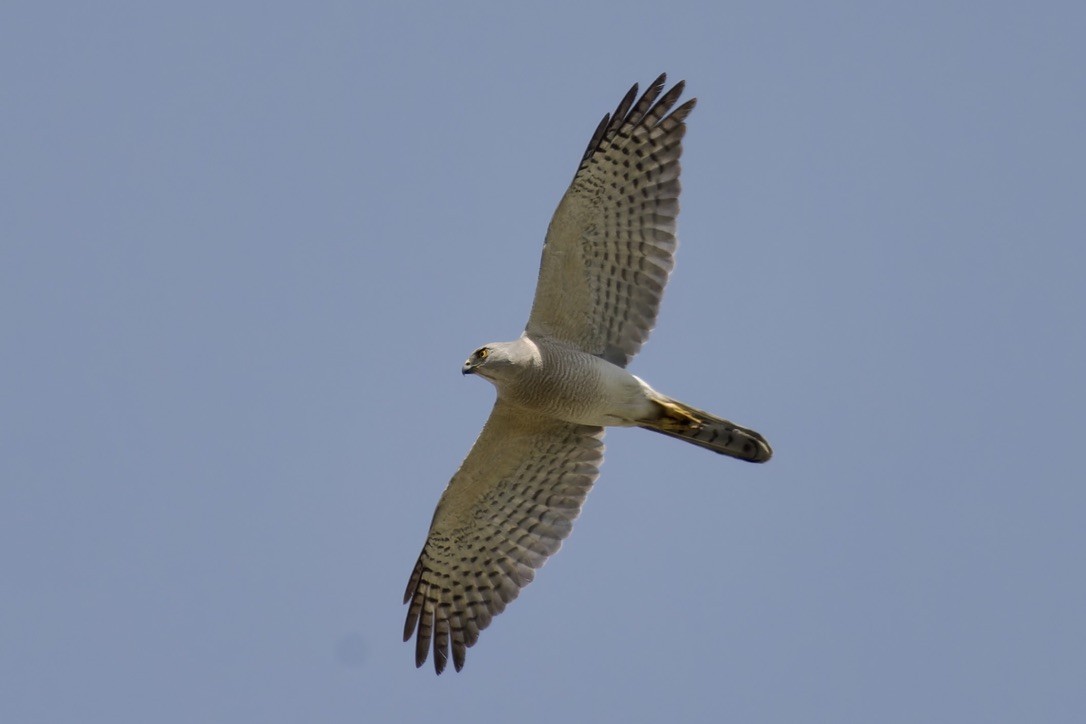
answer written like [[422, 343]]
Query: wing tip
[[651, 107]]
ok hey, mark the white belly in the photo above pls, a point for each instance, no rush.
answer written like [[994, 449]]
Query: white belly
[[582, 388]]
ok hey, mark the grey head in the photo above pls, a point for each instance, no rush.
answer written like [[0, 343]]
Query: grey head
[[501, 360]]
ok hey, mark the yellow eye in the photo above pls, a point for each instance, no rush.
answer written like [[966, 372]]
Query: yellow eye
[[482, 353]]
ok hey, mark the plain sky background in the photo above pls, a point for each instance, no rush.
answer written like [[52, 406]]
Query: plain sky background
[[245, 247]]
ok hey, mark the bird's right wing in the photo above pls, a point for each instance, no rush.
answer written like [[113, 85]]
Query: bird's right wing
[[505, 511]]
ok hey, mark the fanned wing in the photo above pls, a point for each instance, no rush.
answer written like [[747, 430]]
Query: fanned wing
[[611, 243], [503, 514]]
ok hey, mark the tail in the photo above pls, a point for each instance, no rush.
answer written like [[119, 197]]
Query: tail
[[704, 430]]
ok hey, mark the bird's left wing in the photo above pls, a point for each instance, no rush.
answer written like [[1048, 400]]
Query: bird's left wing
[[502, 515], [611, 242]]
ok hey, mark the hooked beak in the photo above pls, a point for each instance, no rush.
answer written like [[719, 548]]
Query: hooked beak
[[468, 368]]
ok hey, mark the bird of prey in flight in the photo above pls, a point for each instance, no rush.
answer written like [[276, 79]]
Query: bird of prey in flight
[[608, 253]]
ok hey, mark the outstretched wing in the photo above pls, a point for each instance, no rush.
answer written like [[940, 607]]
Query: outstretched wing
[[611, 243], [505, 511]]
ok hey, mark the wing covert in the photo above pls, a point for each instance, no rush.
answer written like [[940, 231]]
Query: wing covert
[[506, 510], [611, 243]]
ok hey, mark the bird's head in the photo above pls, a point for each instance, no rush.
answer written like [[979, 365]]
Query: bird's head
[[482, 361], [497, 360]]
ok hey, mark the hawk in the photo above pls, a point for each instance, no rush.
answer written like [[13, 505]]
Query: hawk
[[608, 253]]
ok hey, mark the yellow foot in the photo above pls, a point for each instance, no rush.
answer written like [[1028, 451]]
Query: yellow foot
[[680, 417]]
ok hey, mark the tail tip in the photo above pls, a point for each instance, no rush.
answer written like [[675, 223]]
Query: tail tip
[[755, 448]]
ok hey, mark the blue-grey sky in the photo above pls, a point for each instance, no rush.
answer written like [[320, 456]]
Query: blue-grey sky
[[244, 249]]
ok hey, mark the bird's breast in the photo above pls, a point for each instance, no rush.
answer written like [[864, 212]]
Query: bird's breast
[[578, 387]]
